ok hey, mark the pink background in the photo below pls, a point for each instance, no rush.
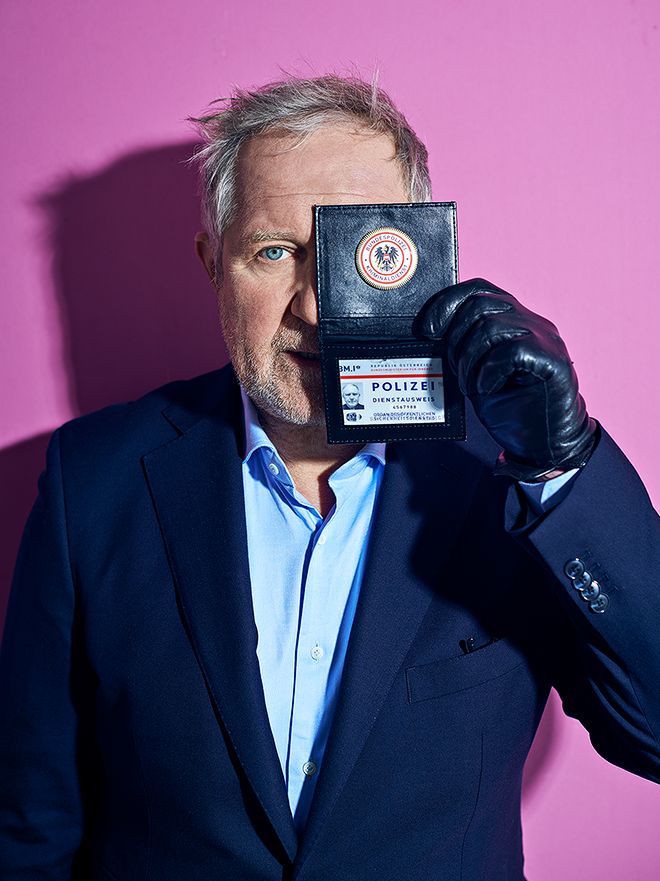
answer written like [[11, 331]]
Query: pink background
[[543, 123]]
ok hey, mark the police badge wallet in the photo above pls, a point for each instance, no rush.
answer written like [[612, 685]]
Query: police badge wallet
[[376, 266]]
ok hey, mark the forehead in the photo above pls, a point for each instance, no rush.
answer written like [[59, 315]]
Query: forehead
[[336, 164]]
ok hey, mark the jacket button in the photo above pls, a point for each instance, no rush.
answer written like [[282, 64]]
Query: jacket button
[[583, 581], [600, 604], [591, 592], [574, 568], [309, 769]]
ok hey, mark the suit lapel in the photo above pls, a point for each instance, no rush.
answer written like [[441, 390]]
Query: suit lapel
[[424, 499], [197, 490]]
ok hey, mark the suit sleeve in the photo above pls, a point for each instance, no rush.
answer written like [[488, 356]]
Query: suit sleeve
[[609, 677], [45, 725]]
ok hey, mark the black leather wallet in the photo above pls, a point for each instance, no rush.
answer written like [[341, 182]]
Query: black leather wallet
[[376, 266]]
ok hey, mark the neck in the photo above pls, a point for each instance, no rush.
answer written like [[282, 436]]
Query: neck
[[309, 457]]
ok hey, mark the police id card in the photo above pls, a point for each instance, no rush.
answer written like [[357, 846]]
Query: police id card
[[376, 267], [392, 391]]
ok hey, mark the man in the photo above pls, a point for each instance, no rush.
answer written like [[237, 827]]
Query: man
[[233, 651], [351, 395]]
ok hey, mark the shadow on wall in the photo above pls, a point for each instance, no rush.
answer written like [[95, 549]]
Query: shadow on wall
[[136, 308], [136, 311]]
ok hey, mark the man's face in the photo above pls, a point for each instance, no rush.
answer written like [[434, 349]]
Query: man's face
[[351, 396], [267, 291]]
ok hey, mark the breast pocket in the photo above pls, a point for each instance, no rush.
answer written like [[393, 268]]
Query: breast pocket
[[466, 671]]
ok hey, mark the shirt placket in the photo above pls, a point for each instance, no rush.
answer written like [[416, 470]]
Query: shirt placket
[[313, 655], [320, 622]]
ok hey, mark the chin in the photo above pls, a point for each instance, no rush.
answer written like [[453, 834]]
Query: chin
[[294, 405], [294, 412], [282, 390]]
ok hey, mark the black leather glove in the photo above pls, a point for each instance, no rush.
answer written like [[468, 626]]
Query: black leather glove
[[514, 367]]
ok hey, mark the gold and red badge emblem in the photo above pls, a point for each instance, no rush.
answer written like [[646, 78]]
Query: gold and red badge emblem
[[386, 258]]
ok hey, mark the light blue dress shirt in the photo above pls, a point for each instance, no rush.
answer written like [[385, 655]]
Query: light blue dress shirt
[[305, 573]]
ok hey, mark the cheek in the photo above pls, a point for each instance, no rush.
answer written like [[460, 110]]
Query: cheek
[[251, 312]]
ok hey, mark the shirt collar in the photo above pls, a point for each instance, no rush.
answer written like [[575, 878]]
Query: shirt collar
[[256, 438]]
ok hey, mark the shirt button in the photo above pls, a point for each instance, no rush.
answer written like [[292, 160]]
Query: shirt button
[[322, 538], [309, 769], [317, 652], [272, 467]]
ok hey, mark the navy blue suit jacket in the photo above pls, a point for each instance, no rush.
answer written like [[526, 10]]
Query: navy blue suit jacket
[[134, 739]]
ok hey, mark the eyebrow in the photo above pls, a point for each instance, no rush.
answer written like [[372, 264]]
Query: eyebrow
[[268, 235]]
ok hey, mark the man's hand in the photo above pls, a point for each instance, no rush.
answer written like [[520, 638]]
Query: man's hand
[[514, 367]]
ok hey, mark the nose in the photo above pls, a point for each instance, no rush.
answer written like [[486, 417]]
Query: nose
[[304, 304]]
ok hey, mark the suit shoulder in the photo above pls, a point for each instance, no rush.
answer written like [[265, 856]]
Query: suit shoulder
[[136, 427]]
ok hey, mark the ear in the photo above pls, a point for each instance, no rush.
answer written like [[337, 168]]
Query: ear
[[206, 254]]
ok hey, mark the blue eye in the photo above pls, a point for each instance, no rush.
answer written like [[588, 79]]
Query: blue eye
[[274, 255]]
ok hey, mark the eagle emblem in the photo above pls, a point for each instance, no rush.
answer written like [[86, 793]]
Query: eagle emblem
[[387, 257]]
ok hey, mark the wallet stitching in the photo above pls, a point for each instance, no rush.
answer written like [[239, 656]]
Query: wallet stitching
[[408, 206], [363, 347]]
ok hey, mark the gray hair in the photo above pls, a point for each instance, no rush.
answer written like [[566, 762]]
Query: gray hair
[[299, 107]]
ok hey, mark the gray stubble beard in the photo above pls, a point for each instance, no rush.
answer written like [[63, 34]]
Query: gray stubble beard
[[267, 389]]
